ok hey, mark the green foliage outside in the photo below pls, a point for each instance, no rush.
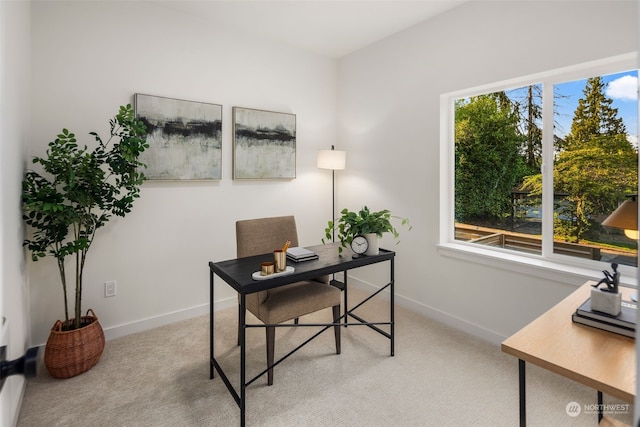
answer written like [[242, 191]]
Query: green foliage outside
[[79, 191], [488, 161], [595, 166]]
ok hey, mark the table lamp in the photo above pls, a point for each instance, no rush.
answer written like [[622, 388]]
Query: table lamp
[[626, 218], [334, 160]]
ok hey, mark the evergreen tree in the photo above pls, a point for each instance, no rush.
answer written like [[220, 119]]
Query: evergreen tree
[[533, 132], [597, 166], [594, 116], [529, 109]]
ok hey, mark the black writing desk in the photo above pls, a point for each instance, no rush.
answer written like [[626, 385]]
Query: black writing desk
[[237, 274]]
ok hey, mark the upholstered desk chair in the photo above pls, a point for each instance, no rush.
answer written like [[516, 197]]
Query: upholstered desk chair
[[274, 306]]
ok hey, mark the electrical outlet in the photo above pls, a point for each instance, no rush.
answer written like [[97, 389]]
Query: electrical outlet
[[110, 289]]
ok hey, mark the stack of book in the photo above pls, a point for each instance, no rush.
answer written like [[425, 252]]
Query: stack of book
[[623, 324], [299, 254]]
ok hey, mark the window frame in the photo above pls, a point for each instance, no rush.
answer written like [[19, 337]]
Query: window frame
[[548, 265]]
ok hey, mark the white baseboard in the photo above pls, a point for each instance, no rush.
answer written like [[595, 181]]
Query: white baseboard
[[22, 388], [433, 313], [201, 310], [118, 331], [166, 319]]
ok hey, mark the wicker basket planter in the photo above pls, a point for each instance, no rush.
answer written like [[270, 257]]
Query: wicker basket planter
[[64, 205], [70, 353]]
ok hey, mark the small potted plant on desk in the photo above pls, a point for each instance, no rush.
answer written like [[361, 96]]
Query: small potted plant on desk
[[362, 230], [78, 192]]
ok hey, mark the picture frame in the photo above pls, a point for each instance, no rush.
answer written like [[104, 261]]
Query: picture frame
[[184, 137], [264, 144]]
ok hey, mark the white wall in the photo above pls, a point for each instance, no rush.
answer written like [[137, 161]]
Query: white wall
[[14, 116], [388, 103], [91, 57], [382, 102], [387, 98]]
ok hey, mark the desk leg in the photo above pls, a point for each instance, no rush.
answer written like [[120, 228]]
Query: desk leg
[[346, 309], [600, 406], [243, 380], [523, 394], [211, 368], [392, 314]]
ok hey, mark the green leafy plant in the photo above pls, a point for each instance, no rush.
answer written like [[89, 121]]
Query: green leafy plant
[[351, 224], [81, 189]]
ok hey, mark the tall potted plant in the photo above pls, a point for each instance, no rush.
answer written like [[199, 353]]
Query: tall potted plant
[[372, 225], [79, 190]]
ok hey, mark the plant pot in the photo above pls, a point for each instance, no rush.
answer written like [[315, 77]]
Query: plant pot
[[374, 244], [70, 353]]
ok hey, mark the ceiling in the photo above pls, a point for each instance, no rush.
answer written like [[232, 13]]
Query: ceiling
[[333, 28]]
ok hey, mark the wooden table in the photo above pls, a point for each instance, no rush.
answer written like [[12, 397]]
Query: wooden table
[[598, 359]]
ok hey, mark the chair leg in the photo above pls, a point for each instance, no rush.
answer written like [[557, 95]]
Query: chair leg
[[295, 321], [239, 316], [271, 338], [336, 329]]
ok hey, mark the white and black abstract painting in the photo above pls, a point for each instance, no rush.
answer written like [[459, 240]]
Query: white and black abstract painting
[[184, 137], [264, 144]]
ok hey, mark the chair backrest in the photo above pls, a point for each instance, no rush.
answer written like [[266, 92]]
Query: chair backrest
[[263, 235]]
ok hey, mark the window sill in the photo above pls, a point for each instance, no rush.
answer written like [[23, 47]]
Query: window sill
[[530, 265]]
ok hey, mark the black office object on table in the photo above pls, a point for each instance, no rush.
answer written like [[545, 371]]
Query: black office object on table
[[605, 326], [237, 273], [626, 318], [623, 324], [300, 254]]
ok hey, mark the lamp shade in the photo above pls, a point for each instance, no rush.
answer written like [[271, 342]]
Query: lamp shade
[[332, 159], [625, 217]]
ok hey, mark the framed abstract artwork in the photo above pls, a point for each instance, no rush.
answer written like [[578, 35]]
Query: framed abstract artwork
[[184, 137], [264, 144]]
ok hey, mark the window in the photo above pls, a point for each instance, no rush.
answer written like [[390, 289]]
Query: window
[[534, 166]]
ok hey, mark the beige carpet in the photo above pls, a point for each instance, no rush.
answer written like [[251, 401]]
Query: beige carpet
[[438, 377]]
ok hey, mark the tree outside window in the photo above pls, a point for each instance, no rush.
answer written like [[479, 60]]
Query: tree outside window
[[498, 154]]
